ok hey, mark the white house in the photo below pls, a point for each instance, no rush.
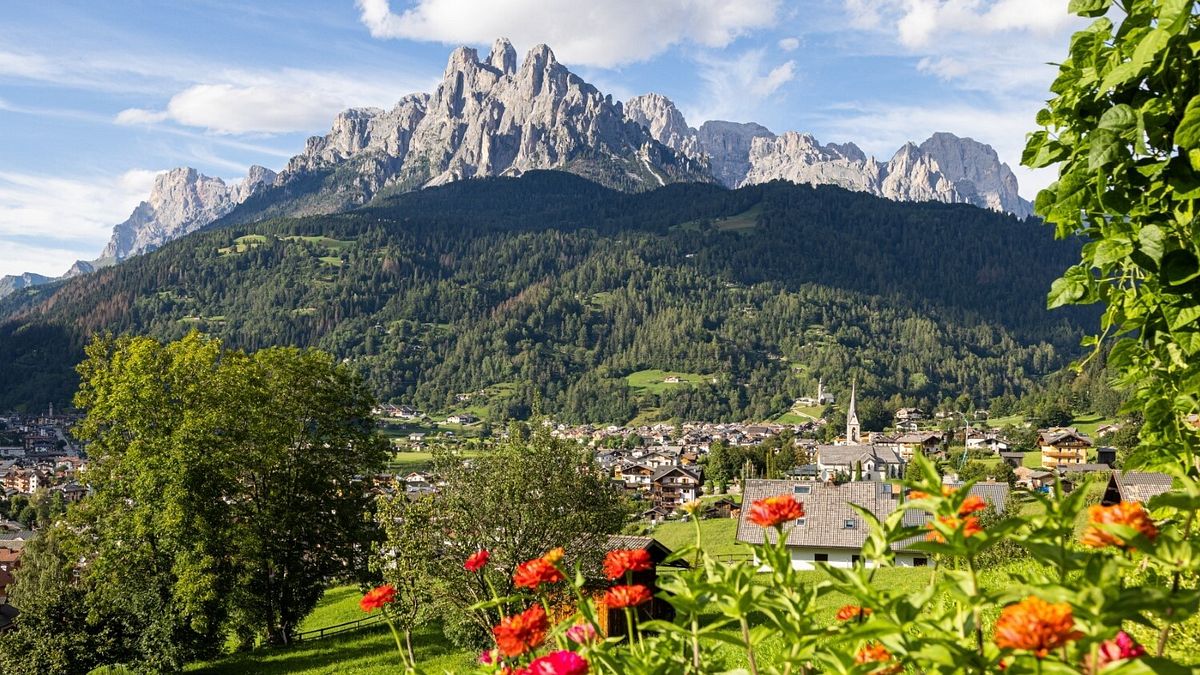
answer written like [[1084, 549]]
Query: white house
[[877, 462]]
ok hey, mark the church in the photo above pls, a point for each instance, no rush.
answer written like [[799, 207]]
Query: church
[[852, 460]]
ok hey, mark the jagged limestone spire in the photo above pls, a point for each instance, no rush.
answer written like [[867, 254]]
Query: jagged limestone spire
[[853, 430]]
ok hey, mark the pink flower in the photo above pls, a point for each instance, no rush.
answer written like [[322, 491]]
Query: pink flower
[[582, 633], [488, 657], [1119, 648], [559, 663]]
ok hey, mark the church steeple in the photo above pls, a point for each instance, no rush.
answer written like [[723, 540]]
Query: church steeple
[[853, 430]]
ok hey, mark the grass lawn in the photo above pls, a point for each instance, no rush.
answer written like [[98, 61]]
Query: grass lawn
[[716, 536], [418, 460], [799, 414], [653, 381]]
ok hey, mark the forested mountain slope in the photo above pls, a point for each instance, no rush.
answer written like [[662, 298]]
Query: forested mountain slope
[[548, 290]]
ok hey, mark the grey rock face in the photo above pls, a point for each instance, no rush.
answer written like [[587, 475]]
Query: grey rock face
[[799, 158], [964, 161], [491, 117], [727, 145], [182, 201], [665, 123], [12, 283]]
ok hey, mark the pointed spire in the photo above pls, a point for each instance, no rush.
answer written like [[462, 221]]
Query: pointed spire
[[853, 429]]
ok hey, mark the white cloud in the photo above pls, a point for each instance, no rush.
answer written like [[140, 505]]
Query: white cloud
[[242, 102], [736, 87], [70, 218], [605, 34], [789, 44]]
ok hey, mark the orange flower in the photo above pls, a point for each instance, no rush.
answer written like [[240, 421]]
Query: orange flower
[[852, 612], [627, 596], [971, 505], [774, 511], [618, 562], [533, 573], [554, 555], [522, 632], [377, 598], [969, 525], [1129, 514], [873, 652], [1036, 625], [477, 560], [917, 494]]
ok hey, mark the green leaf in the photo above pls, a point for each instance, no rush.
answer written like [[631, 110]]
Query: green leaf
[[1065, 292], [1118, 118], [1179, 267], [1109, 251], [1150, 46], [1089, 7], [1104, 148], [1150, 241], [1187, 134], [1121, 74]]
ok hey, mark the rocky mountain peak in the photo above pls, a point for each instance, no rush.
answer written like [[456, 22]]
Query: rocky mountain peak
[[992, 183], [503, 56], [665, 123]]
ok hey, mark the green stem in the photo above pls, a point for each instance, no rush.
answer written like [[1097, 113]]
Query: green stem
[[749, 646], [1166, 631], [396, 637], [696, 642], [978, 619]]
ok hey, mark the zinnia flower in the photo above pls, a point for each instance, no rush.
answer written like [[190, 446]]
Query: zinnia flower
[[477, 560], [562, 662], [971, 505], [1036, 625], [852, 612], [1120, 648], [554, 555], [582, 633], [533, 573], [627, 596], [1129, 514], [774, 511], [969, 525], [377, 598], [522, 632], [873, 652], [617, 563]]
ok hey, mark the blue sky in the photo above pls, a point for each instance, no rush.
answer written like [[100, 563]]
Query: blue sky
[[97, 97]]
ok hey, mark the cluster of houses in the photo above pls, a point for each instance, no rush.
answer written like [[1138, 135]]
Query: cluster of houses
[[36, 453]]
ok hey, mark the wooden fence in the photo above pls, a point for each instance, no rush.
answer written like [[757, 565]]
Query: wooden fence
[[338, 629]]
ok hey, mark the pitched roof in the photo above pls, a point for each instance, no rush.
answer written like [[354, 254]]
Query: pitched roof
[[850, 454], [663, 471], [828, 510], [1057, 435], [1084, 468], [1136, 486]]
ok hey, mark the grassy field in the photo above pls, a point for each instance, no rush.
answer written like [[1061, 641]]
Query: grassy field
[[417, 460], [716, 536], [799, 414], [654, 381]]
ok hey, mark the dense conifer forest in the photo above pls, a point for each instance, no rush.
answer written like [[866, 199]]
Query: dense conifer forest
[[543, 293]]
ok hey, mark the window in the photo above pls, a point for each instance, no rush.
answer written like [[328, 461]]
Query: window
[[920, 562], [855, 558], [802, 489], [849, 524], [821, 557], [800, 522]]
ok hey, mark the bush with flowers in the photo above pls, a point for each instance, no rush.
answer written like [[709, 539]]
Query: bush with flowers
[[1069, 613]]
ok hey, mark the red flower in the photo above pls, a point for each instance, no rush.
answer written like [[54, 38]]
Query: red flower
[[533, 573], [477, 560], [627, 596], [377, 598], [1035, 625], [617, 563], [852, 612], [971, 505], [562, 662], [969, 525], [873, 652], [1129, 514], [774, 511], [522, 632]]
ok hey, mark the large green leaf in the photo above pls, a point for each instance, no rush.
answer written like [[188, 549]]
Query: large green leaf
[[1187, 134], [1118, 118], [1179, 267], [1089, 7]]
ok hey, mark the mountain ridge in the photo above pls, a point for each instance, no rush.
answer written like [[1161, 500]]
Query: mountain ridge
[[495, 116]]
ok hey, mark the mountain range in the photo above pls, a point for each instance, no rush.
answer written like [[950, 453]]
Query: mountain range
[[497, 117]]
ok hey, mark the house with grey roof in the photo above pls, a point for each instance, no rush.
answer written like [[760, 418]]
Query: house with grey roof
[[878, 462], [1135, 486], [832, 531]]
